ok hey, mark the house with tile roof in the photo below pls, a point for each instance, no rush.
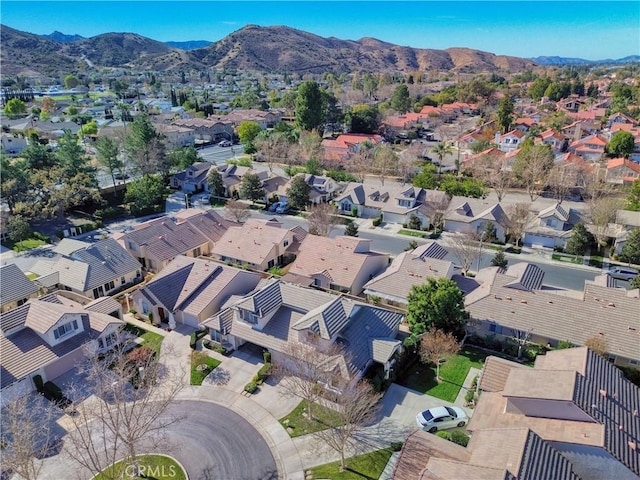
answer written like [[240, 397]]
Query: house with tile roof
[[396, 203], [341, 263], [47, 337], [89, 269], [190, 290], [15, 287], [339, 149], [579, 129], [156, 242], [410, 268], [278, 312], [176, 136], [266, 119], [207, 130], [555, 140], [552, 227], [590, 148], [573, 416], [258, 244], [509, 141], [626, 221], [622, 170], [471, 215], [516, 300]]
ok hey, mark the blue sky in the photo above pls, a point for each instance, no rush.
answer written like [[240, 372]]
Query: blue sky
[[586, 29]]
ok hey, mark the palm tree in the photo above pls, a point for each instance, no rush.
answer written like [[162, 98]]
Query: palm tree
[[441, 150]]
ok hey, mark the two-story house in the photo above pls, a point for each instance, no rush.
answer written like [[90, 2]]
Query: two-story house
[[321, 189], [193, 178], [590, 148], [47, 337], [207, 130], [622, 171], [509, 141], [552, 227], [280, 313]]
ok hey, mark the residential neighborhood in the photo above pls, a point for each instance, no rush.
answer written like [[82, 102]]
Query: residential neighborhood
[[412, 274]]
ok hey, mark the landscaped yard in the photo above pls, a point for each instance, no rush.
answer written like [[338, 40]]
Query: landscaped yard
[[201, 366], [366, 466], [160, 467], [567, 258], [298, 423], [412, 233], [149, 339], [422, 377], [24, 245]]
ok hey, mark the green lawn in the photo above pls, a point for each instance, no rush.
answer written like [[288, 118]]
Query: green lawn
[[150, 339], [412, 233], [366, 466], [159, 467], [422, 377], [201, 358], [596, 261], [24, 245], [301, 424], [567, 258]]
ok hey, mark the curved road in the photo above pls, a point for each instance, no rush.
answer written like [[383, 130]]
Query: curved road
[[214, 443]]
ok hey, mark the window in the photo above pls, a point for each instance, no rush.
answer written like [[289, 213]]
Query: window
[[286, 243], [65, 329], [109, 286], [633, 362], [271, 263], [216, 336], [122, 281], [196, 252], [495, 328], [22, 301], [98, 292]]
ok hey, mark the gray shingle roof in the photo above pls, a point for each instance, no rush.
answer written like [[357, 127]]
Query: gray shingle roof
[[107, 261], [14, 285]]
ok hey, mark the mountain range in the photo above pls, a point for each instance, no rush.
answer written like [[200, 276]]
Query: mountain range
[[254, 48]]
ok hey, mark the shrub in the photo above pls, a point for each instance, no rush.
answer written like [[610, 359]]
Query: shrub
[[37, 381], [53, 393], [251, 387], [443, 434], [264, 372], [133, 311], [266, 355], [193, 340], [562, 344], [354, 211], [460, 438], [377, 221], [469, 396], [396, 446]]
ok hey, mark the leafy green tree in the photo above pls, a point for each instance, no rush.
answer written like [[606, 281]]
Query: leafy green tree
[[621, 144], [309, 106], [15, 107], [436, 304], [251, 187], [401, 100], [70, 81], [298, 192], [58, 190], [18, 228], [463, 186], [414, 222], [14, 181], [426, 178], [441, 150], [504, 113], [145, 148], [71, 157], [184, 157], [631, 250], [248, 131], [490, 232], [363, 119], [635, 282], [581, 239], [88, 129], [499, 259], [37, 156], [556, 91], [146, 194], [216, 184], [107, 153], [313, 167], [351, 229], [480, 146], [633, 199]]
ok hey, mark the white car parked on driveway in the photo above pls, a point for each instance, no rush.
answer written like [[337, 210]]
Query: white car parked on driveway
[[441, 418]]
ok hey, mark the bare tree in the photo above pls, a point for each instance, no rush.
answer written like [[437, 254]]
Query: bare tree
[[602, 211], [519, 215], [598, 344], [436, 209], [436, 345], [322, 219], [359, 164], [132, 391], [356, 406], [311, 146], [274, 148], [562, 179], [521, 337], [26, 435], [385, 162], [304, 368], [532, 167], [465, 248], [237, 210], [491, 170]]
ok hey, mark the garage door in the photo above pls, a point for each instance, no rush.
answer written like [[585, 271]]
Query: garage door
[[64, 364], [539, 241]]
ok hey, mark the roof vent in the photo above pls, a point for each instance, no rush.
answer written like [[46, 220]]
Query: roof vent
[[631, 329], [603, 393], [611, 304], [632, 445], [507, 298]]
